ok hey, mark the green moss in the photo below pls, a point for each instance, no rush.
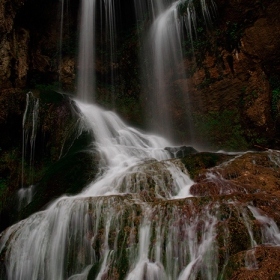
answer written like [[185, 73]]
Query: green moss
[[198, 43], [222, 130], [197, 46], [3, 186], [275, 98], [224, 212], [48, 95], [68, 175], [275, 101], [234, 264], [94, 270], [122, 262], [237, 231]]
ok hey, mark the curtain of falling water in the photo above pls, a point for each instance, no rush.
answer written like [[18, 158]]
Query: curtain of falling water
[[162, 59], [86, 75]]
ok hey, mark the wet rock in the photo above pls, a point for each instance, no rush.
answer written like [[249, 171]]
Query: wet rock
[[251, 172], [235, 74], [8, 11], [267, 265], [182, 151], [56, 163], [67, 73], [201, 161]]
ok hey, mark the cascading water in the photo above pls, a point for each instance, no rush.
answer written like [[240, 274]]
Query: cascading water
[[110, 42], [270, 231], [121, 149], [163, 59], [86, 76], [133, 221], [29, 132], [164, 40]]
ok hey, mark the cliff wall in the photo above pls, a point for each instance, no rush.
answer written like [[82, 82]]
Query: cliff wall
[[232, 79]]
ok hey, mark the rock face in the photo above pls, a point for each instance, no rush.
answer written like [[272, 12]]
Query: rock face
[[235, 73], [29, 39], [52, 160], [229, 230], [14, 47], [251, 181], [179, 152], [8, 11]]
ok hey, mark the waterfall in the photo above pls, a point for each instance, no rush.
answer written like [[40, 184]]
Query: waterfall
[[86, 76], [138, 219], [65, 230], [162, 58], [110, 41], [164, 40], [29, 132]]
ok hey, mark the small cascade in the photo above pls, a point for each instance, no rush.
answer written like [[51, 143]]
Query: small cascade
[[250, 258], [221, 185], [269, 229], [25, 196], [274, 157], [117, 206], [124, 153], [252, 217], [107, 235], [29, 132]]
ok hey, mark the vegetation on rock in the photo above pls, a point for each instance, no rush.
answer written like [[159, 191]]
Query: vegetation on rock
[[61, 162]]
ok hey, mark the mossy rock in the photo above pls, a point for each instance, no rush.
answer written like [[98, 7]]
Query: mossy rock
[[50, 96], [267, 259], [182, 151], [69, 175], [195, 163], [60, 165], [94, 270], [237, 231]]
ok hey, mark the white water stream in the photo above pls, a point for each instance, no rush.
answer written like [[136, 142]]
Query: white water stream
[[86, 75], [29, 132], [162, 60], [165, 44], [122, 151], [38, 247]]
